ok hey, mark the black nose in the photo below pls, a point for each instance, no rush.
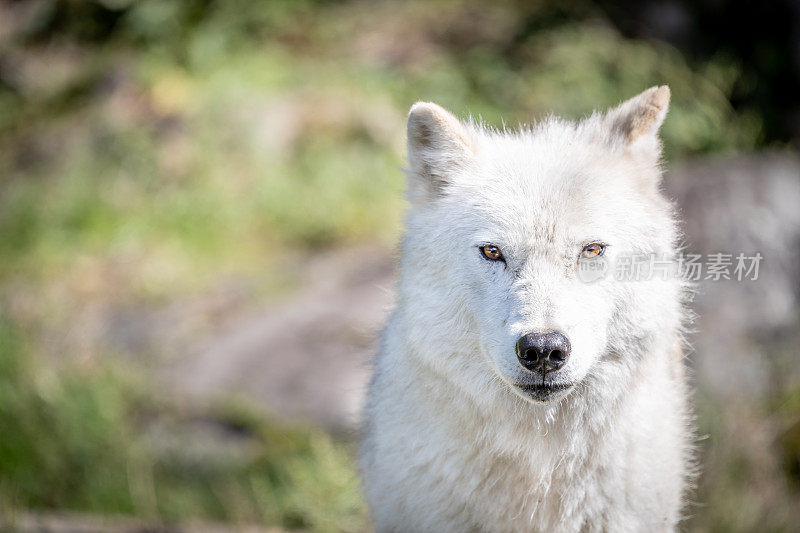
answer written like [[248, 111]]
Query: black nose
[[543, 352]]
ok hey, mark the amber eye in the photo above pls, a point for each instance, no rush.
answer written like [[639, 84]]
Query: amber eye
[[492, 252], [593, 250]]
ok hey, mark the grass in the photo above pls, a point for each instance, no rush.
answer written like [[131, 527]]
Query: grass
[[93, 439]]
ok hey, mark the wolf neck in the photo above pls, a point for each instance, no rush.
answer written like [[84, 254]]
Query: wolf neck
[[505, 424]]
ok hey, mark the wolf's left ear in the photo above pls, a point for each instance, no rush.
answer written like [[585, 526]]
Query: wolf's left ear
[[439, 146], [635, 122]]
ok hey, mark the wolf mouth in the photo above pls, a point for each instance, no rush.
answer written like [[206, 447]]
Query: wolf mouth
[[543, 391]]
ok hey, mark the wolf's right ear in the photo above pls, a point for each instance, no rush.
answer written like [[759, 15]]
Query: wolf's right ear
[[438, 146]]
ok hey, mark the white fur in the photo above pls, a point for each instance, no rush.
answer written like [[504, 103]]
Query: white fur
[[449, 443]]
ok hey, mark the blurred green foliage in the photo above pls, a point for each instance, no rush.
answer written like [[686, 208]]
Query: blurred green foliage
[[148, 148], [72, 439], [229, 75], [62, 434], [210, 132]]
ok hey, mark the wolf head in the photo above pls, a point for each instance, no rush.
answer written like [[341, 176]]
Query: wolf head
[[507, 279]]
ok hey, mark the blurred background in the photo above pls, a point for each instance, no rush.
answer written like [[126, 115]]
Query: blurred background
[[199, 203]]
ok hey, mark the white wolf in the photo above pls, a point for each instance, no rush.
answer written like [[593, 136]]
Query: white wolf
[[510, 395]]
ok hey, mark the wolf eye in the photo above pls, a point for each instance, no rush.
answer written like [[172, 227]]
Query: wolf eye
[[492, 252], [593, 250]]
